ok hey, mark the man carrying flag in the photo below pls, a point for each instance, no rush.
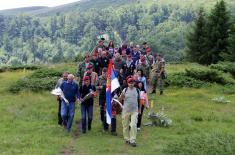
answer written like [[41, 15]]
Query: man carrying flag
[[111, 86]]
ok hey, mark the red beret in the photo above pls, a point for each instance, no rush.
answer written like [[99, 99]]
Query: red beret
[[90, 66], [86, 78], [148, 49], [130, 80]]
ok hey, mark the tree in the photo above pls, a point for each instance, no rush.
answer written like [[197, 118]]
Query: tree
[[53, 27], [2, 28], [218, 32], [33, 48], [7, 45], [59, 56], [230, 55], [196, 40]]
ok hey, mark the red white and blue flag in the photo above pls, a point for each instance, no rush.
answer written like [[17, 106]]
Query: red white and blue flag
[[111, 86]]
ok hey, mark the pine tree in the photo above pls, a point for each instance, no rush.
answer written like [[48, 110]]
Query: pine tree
[[230, 55], [218, 32], [196, 40], [8, 47]]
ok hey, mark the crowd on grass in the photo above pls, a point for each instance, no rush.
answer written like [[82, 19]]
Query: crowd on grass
[[135, 68]]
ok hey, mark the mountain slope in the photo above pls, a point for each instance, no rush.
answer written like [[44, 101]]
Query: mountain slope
[[82, 5], [16, 11], [60, 33]]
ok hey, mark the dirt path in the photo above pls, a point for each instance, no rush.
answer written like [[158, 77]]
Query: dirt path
[[69, 150]]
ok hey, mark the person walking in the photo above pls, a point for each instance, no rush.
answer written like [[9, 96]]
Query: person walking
[[101, 86], [87, 93], [71, 93], [58, 84], [159, 74], [130, 96]]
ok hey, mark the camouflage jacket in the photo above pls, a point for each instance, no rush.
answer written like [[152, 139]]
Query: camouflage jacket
[[81, 69], [145, 68], [159, 66], [102, 82]]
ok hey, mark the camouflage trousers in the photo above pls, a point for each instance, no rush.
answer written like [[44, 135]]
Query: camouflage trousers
[[157, 81]]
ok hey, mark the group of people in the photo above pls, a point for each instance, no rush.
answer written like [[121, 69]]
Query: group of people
[[134, 67]]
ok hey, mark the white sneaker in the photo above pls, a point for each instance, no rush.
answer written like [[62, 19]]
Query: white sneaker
[[138, 129]]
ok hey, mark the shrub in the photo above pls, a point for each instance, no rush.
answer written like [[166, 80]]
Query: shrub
[[181, 80], [45, 72], [198, 144], [19, 67], [228, 89], [228, 67], [34, 84], [209, 75], [42, 79]]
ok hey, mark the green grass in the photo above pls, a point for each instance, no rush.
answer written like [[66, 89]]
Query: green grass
[[29, 121]]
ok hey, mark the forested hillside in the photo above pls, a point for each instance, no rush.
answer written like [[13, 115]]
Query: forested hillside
[[52, 35]]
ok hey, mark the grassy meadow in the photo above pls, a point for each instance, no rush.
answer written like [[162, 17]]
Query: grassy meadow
[[29, 123]]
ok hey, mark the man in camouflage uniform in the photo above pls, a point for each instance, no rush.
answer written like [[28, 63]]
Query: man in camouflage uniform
[[158, 74], [93, 75], [144, 66], [100, 47], [101, 86], [82, 68], [149, 57]]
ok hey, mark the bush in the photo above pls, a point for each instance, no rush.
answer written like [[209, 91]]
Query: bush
[[198, 144], [34, 84], [20, 67], [181, 80], [228, 89], [227, 67], [209, 75], [45, 72], [42, 79]]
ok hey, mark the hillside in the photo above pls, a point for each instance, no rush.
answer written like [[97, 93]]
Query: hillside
[[29, 122], [49, 35], [17, 11], [84, 5]]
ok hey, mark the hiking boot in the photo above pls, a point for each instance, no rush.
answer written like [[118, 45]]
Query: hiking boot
[[114, 133], [89, 128], [127, 142], [133, 144], [161, 92]]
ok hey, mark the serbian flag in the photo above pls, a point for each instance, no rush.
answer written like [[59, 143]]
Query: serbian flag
[[111, 86]]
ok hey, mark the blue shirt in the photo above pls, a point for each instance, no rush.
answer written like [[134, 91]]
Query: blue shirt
[[135, 56], [70, 90]]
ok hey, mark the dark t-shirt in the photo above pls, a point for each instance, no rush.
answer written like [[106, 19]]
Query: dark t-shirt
[[84, 90], [104, 62], [96, 64]]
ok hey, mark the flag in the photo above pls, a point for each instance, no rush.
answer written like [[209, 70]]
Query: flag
[[111, 85]]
